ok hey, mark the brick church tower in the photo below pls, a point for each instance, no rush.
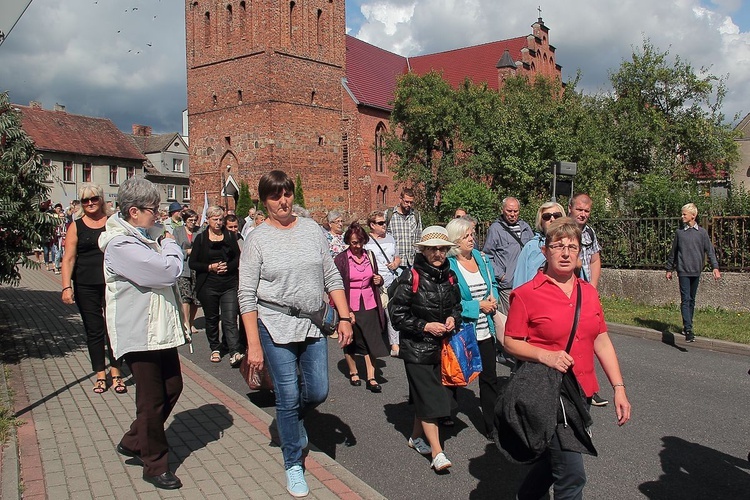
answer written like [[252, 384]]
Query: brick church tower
[[265, 92]]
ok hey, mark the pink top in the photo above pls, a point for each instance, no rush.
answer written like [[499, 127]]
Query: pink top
[[360, 283]]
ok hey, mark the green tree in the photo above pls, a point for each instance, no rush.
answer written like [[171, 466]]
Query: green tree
[[475, 197], [244, 202], [22, 188], [299, 194], [667, 118]]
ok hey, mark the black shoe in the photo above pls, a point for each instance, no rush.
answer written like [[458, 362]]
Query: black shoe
[[689, 336], [355, 383], [597, 400], [166, 481], [373, 386], [127, 452]]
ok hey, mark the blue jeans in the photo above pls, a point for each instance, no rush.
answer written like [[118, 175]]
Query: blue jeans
[[563, 470], [295, 394], [688, 289]]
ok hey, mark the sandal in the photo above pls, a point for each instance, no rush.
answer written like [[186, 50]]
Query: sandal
[[100, 386], [355, 383], [119, 385], [215, 357]]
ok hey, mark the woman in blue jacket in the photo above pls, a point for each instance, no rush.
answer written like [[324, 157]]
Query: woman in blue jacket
[[479, 302]]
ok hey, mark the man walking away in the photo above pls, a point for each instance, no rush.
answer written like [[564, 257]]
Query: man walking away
[[690, 246]]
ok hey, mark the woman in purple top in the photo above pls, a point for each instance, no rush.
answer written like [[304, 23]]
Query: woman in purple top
[[359, 271]]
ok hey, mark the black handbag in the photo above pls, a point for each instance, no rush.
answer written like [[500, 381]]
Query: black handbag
[[526, 415]]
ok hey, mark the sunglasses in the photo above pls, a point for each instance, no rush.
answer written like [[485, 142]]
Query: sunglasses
[[379, 223], [440, 249], [547, 216], [93, 199]]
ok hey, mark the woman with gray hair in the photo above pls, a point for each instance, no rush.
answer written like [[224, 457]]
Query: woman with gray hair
[[215, 258], [82, 267], [479, 304], [335, 234], [531, 257], [141, 276]]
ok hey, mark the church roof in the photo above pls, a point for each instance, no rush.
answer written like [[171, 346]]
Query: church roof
[[372, 72], [64, 132]]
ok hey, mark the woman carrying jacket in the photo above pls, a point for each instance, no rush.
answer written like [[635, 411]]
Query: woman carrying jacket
[[144, 323], [424, 317], [479, 304]]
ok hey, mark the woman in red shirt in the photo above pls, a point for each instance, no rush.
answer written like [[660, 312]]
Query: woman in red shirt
[[538, 328]]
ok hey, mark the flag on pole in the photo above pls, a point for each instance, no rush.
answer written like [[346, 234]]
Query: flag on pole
[[205, 208]]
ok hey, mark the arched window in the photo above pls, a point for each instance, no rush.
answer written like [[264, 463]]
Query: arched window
[[379, 147], [243, 18], [292, 13], [384, 201], [207, 29], [319, 30], [228, 24]]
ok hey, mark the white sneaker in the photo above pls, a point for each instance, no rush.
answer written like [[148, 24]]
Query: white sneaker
[[440, 462], [295, 482], [419, 445]]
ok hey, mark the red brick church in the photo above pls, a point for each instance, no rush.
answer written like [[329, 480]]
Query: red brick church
[[279, 85]]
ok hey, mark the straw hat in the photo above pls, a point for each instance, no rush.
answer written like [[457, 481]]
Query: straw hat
[[434, 236]]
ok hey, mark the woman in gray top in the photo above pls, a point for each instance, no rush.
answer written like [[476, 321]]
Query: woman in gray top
[[285, 264]]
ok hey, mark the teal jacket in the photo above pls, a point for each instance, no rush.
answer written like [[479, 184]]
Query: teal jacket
[[470, 306]]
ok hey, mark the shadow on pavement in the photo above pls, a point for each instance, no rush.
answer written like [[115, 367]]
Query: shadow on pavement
[[37, 326], [498, 478], [691, 470], [666, 329], [53, 395], [327, 431], [196, 428]]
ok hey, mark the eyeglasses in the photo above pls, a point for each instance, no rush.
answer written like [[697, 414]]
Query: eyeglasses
[[547, 216], [559, 247], [355, 243], [339, 221], [153, 210], [93, 199], [379, 223], [439, 249]]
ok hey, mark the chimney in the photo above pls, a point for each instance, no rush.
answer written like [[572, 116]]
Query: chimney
[[59, 107], [35, 105], [141, 130]]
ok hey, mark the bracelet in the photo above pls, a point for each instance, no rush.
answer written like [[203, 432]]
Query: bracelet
[[347, 320], [619, 385], [67, 288]]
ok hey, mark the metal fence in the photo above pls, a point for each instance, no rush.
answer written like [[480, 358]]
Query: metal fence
[[643, 243]]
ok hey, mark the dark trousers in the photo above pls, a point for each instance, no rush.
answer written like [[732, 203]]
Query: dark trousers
[[688, 289], [90, 301], [158, 384], [221, 303], [488, 383], [563, 470]]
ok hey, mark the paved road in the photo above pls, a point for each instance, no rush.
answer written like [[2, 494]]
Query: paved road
[[689, 437]]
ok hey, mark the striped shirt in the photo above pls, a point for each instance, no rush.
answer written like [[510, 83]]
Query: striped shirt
[[478, 289]]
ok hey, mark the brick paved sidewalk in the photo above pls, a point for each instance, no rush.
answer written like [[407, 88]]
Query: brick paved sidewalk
[[220, 442]]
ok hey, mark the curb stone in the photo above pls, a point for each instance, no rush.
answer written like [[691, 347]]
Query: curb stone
[[669, 338]]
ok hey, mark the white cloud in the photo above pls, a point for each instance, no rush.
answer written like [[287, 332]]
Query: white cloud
[[594, 37]]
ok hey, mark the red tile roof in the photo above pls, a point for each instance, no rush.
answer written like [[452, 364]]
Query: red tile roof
[[64, 132], [372, 72], [478, 63]]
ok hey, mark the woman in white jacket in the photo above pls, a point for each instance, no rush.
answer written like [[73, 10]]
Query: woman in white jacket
[[144, 323]]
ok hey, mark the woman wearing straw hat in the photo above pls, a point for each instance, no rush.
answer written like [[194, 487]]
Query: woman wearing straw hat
[[424, 314]]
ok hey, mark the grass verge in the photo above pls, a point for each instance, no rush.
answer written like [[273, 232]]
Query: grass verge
[[7, 420], [708, 322]]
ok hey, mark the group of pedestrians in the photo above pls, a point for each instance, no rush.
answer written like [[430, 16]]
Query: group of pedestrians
[[398, 289]]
